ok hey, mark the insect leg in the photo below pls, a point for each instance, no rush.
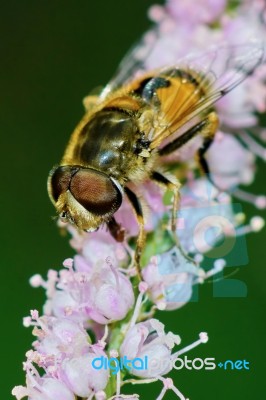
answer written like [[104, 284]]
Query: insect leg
[[206, 128], [181, 140], [208, 134], [173, 185], [116, 230], [141, 236]]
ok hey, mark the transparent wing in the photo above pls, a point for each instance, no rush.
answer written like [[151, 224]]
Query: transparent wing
[[198, 82], [133, 63]]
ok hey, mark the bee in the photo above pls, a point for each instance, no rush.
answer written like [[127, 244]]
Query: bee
[[136, 121]]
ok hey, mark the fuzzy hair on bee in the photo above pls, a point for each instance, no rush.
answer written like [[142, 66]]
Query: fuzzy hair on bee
[[135, 122]]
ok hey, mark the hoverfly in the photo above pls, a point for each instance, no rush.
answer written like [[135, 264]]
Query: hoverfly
[[132, 124]]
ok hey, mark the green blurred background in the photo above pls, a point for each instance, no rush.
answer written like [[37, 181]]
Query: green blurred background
[[52, 54]]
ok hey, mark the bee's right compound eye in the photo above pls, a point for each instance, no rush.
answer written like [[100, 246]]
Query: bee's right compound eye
[[95, 191]]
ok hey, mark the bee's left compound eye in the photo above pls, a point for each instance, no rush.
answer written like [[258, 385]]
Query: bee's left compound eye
[[59, 180], [95, 191]]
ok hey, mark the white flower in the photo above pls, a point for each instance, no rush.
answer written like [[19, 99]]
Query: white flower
[[81, 377], [170, 277], [148, 339]]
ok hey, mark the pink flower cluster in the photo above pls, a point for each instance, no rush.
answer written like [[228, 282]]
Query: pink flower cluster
[[96, 308], [63, 351], [63, 348], [100, 293]]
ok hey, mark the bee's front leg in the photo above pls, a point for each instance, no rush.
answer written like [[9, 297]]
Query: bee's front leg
[[137, 207], [116, 230]]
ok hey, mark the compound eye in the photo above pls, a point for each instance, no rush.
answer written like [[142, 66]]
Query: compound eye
[[59, 180], [95, 191]]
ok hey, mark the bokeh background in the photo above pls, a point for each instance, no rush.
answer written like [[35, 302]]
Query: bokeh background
[[52, 54]]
